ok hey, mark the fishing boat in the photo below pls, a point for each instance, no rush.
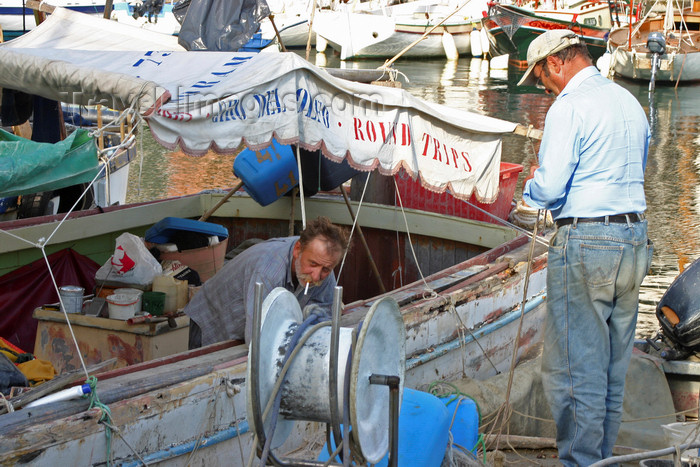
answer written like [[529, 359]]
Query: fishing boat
[[385, 32], [469, 295], [291, 18], [467, 328], [510, 29], [660, 47]]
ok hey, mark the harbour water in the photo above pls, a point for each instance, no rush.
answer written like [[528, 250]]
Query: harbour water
[[672, 174]]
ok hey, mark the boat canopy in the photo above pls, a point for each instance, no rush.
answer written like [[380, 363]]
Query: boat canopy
[[203, 101], [30, 167]]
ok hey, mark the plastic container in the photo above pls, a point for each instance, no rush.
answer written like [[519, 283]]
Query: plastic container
[[71, 298], [414, 196], [268, 174], [122, 306], [163, 230], [255, 44], [70, 393], [176, 292], [465, 427], [135, 292], [424, 424], [154, 303], [682, 433]]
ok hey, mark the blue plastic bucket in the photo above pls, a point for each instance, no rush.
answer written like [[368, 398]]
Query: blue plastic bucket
[[267, 174], [424, 423]]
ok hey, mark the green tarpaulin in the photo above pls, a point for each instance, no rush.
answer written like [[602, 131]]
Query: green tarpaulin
[[30, 167]]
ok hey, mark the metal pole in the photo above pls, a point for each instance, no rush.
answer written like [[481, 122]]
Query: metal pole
[[372, 264], [206, 215], [333, 366], [393, 382], [254, 362], [295, 190]]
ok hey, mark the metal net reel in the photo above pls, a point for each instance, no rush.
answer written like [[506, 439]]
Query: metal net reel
[[326, 364]]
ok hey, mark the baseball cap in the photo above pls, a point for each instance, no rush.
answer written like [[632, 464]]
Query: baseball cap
[[545, 45]]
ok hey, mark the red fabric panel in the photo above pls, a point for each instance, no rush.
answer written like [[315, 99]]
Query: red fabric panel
[[29, 287]]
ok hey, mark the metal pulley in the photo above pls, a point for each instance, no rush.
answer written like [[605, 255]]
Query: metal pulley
[[307, 389]]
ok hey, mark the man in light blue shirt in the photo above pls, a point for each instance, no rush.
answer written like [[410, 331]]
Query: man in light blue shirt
[[591, 176]]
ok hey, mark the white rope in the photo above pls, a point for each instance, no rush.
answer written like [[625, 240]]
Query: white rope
[[231, 391], [8, 405], [63, 309], [17, 237], [142, 157], [410, 242], [301, 190], [507, 223], [352, 231], [526, 216], [116, 430]]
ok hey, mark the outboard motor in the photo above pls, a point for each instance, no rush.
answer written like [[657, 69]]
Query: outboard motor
[[656, 43], [678, 313]]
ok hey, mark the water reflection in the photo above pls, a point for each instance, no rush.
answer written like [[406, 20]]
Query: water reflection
[[672, 176], [159, 173]]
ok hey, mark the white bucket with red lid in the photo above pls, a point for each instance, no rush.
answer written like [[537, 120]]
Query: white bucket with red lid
[[123, 306]]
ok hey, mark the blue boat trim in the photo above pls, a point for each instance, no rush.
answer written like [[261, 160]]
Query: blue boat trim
[[508, 318], [186, 448]]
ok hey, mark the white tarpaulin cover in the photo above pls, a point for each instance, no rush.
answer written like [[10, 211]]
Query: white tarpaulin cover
[[220, 99]]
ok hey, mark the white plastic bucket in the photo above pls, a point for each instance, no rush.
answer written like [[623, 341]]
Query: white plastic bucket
[[122, 306], [136, 292], [682, 433], [71, 298]]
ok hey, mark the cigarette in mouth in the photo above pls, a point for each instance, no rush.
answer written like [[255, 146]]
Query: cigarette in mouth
[[306, 290]]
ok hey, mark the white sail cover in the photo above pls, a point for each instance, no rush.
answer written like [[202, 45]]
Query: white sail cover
[[216, 100]]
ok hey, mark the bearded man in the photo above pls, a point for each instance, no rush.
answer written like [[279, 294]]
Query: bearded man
[[223, 308]]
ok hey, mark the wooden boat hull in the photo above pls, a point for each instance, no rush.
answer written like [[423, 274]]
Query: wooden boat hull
[[467, 328], [510, 31]]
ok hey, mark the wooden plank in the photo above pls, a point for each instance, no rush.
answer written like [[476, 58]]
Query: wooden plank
[[356, 311], [147, 329], [529, 132], [168, 359], [56, 384], [40, 6]]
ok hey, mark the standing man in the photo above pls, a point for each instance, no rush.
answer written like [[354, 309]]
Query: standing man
[[591, 176], [223, 308]]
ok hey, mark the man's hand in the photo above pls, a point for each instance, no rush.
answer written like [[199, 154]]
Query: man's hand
[[533, 167]]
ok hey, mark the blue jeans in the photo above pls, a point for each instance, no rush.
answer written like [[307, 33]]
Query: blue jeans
[[594, 272]]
